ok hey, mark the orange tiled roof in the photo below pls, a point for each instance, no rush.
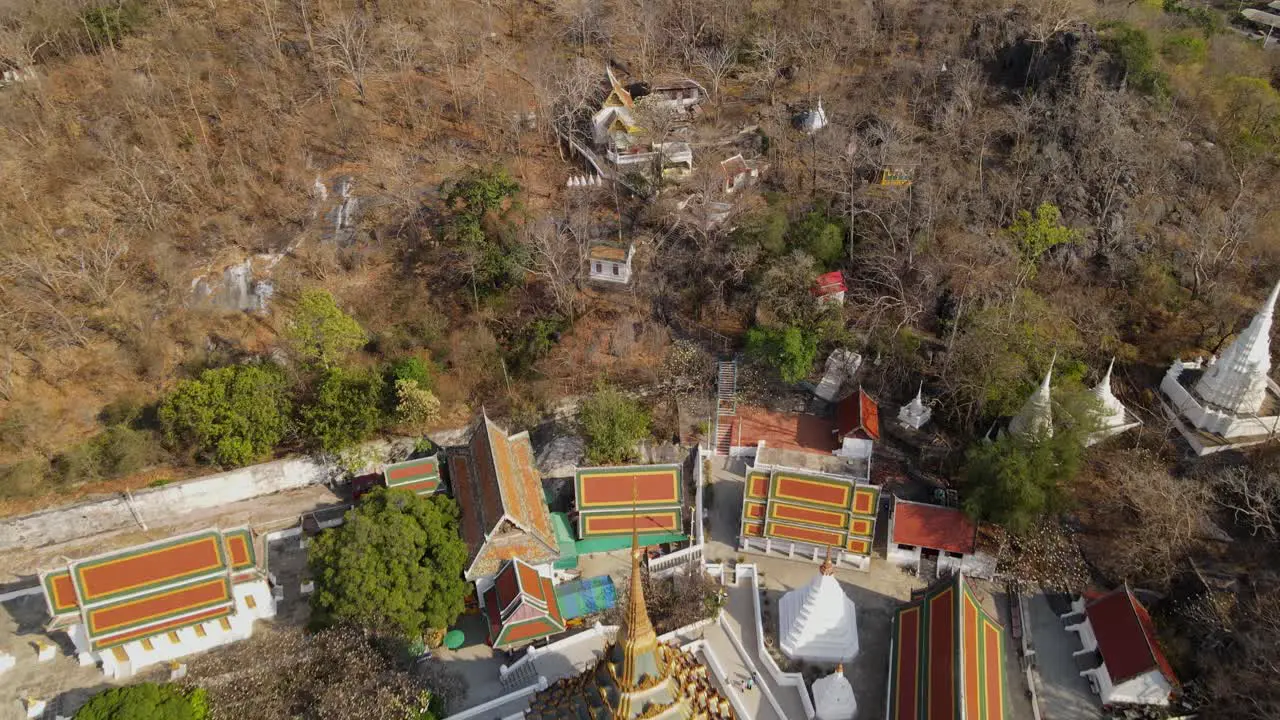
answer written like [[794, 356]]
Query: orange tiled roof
[[499, 493], [934, 527], [138, 591]]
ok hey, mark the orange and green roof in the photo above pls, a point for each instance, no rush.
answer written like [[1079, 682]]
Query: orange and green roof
[[521, 606], [618, 500], [946, 658], [421, 475], [148, 589], [794, 506]]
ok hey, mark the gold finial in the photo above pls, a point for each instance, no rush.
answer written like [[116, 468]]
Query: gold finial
[[637, 635], [826, 568]]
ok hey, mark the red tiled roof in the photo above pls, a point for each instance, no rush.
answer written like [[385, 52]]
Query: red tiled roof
[[165, 584], [829, 284], [499, 493], [933, 526], [521, 606], [785, 431], [1126, 637], [858, 413], [939, 632]]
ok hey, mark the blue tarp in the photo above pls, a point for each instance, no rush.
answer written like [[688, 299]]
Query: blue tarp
[[585, 597]]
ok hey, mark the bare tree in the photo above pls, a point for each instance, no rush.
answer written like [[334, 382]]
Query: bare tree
[[345, 40], [717, 62], [1252, 496], [557, 256]]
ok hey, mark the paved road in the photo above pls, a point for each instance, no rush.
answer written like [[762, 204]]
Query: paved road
[[1064, 695]]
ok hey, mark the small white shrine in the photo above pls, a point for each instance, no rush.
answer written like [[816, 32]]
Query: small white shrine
[[1113, 417], [915, 414], [1228, 402], [811, 121], [833, 697], [1036, 416], [818, 622]]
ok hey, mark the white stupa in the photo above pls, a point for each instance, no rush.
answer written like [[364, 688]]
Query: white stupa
[[1223, 404], [915, 413], [818, 622], [812, 121], [1036, 416], [833, 697], [1237, 382], [1113, 418]]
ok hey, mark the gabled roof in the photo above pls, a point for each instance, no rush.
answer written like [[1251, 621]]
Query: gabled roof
[[140, 591], [934, 527], [735, 166], [946, 658], [829, 284], [421, 475], [499, 494], [1126, 637], [858, 416], [619, 500], [609, 252], [521, 606]]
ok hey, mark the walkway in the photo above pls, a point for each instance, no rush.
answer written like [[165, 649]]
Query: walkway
[[739, 616], [735, 670], [1064, 695]]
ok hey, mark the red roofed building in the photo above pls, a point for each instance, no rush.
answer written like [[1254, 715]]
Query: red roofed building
[[420, 475], [1133, 670], [830, 287], [129, 609], [521, 607], [946, 657], [919, 531], [858, 417], [503, 511]]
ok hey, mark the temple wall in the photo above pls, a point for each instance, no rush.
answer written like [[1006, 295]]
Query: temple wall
[[1210, 420], [63, 524]]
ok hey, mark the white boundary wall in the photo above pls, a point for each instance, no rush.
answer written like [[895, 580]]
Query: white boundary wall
[[794, 680], [58, 525]]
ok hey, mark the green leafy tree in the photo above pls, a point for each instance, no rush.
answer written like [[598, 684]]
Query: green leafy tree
[[791, 350], [821, 237], [231, 416], [1184, 49], [612, 423], [145, 701], [1035, 234], [395, 565], [415, 405], [1135, 55], [320, 332], [1015, 481], [412, 368], [1249, 118], [345, 408], [477, 225]]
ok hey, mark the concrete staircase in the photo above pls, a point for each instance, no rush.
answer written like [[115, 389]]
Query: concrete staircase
[[726, 404]]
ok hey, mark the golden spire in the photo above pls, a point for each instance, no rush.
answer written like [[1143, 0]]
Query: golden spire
[[826, 568], [636, 635]]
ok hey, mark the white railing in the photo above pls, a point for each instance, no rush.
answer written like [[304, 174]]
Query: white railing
[[795, 680], [698, 482], [675, 562]]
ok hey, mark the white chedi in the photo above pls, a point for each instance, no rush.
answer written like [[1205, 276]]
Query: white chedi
[[1036, 416], [833, 697], [1237, 381], [1111, 412], [818, 622], [915, 413]]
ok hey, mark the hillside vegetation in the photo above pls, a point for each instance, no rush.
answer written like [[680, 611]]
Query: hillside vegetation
[[234, 228]]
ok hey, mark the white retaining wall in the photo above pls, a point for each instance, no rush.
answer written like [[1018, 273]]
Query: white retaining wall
[[794, 680], [58, 525]]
